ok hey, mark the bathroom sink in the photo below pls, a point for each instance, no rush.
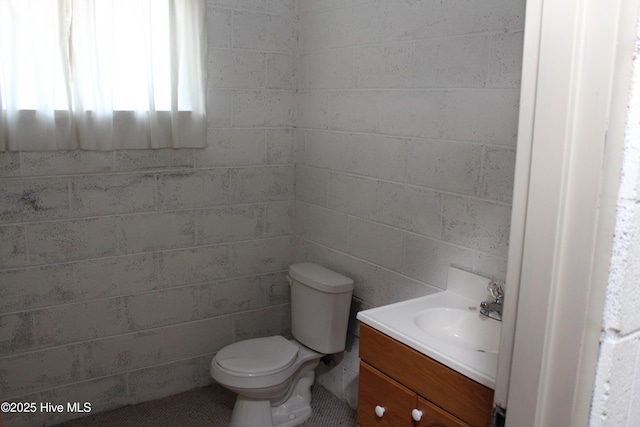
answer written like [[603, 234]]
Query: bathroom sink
[[462, 328], [446, 326]]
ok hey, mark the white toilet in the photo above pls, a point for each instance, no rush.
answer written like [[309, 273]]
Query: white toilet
[[273, 375]]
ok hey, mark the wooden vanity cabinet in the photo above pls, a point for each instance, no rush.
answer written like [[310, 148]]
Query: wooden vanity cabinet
[[400, 379]]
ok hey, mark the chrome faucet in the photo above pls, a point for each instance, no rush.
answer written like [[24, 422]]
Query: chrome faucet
[[493, 308]]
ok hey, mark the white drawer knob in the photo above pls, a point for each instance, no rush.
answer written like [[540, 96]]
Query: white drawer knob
[[416, 415], [379, 411]]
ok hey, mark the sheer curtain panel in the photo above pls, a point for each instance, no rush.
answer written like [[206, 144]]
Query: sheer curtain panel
[[102, 75]]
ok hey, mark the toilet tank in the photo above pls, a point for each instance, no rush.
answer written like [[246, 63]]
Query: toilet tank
[[320, 303]]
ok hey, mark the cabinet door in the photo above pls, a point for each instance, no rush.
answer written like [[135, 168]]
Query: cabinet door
[[376, 389], [433, 416]]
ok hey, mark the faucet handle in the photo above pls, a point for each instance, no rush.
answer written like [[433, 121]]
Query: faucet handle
[[496, 289]]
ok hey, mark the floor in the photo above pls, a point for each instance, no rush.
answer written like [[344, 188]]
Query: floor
[[209, 406]]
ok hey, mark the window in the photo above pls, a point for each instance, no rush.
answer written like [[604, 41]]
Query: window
[[102, 75]]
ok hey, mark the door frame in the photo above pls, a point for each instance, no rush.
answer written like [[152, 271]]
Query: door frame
[[577, 62]]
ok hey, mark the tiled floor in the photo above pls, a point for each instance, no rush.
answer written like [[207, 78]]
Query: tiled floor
[[209, 406]]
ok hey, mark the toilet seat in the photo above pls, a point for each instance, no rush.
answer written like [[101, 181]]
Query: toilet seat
[[258, 356], [243, 366]]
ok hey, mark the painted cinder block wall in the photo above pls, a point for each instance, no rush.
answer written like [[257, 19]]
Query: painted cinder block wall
[[122, 273], [406, 144]]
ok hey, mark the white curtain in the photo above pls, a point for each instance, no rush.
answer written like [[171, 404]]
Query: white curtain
[[102, 75]]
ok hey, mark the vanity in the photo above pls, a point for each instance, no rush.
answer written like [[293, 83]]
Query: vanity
[[430, 361]]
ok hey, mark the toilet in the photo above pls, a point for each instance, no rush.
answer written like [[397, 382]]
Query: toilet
[[273, 376]]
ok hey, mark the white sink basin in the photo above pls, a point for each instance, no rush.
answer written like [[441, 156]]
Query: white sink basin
[[446, 326], [463, 328]]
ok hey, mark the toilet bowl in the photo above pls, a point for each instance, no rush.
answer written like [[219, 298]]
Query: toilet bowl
[[273, 375]]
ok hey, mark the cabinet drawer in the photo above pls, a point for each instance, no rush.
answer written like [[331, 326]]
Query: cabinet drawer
[[432, 416], [466, 399], [375, 389]]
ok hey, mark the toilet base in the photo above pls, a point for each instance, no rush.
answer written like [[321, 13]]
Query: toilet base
[[249, 412]]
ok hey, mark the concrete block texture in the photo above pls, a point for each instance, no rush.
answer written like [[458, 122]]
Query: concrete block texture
[[265, 32], [283, 7], [34, 199], [109, 194]]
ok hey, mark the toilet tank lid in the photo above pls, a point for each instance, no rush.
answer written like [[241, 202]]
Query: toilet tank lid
[[320, 278]]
